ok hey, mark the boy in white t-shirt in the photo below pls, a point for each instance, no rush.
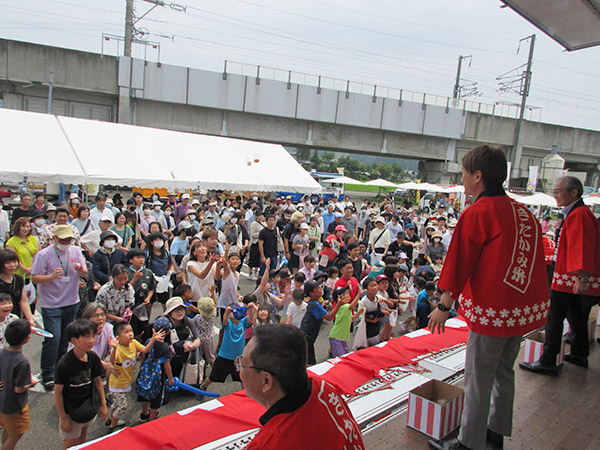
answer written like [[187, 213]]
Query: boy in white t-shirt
[[296, 309]]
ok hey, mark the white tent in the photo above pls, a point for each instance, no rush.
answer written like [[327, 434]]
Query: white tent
[[590, 201], [380, 182], [61, 149], [33, 145], [343, 180], [539, 199]]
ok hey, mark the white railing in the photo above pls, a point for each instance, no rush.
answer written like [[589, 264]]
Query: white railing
[[271, 73]]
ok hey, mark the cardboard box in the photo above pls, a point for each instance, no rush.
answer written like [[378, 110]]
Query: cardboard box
[[435, 408], [534, 347]]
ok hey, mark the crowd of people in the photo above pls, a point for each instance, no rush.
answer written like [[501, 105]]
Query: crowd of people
[[96, 271]]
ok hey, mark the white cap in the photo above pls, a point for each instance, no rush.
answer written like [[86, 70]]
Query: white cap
[[185, 196], [195, 202]]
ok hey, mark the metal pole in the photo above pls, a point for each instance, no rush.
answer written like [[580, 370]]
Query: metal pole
[[50, 87], [128, 27], [517, 151], [457, 83]]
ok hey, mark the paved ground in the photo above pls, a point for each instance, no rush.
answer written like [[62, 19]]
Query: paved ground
[[44, 421]]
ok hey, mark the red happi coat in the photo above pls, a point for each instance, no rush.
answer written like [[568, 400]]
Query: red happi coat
[[323, 422], [495, 267], [578, 249]]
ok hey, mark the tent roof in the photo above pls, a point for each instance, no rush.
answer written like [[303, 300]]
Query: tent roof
[[537, 199], [68, 150], [34, 145], [343, 180], [381, 183]]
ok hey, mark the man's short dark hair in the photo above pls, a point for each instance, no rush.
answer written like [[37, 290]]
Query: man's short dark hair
[[16, 332], [420, 282], [430, 286], [300, 277], [130, 201], [281, 350], [101, 197], [352, 245], [270, 216], [62, 209], [343, 262], [80, 328], [490, 160], [573, 183], [181, 289], [135, 252], [137, 194]]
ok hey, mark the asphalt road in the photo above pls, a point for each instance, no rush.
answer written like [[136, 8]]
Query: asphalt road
[[43, 434]]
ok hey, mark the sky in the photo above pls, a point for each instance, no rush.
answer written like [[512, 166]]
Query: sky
[[395, 44]]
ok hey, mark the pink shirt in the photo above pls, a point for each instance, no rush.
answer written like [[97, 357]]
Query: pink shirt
[[63, 291]]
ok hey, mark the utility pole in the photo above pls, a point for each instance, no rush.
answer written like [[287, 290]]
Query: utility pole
[[517, 151], [128, 27], [455, 93], [50, 88]]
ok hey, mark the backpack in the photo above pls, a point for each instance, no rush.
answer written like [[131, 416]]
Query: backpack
[[149, 381]]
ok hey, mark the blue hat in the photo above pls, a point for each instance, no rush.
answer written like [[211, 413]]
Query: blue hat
[[162, 324], [239, 312]]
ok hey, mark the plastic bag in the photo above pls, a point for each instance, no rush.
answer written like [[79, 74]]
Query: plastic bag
[[163, 283]]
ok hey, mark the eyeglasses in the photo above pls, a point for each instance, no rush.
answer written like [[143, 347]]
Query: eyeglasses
[[557, 191], [239, 366]]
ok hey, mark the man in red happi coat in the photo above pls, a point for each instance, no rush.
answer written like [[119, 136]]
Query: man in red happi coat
[[302, 412], [576, 280], [495, 269]]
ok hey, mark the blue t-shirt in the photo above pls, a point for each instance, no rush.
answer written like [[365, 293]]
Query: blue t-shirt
[[422, 297], [234, 339], [311, 322], [327, 219], [179, 247]]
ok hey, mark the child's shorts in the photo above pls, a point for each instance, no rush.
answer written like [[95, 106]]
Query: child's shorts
[[119, 405], [157, 401], [222, 368], [76, 428], [339, 347], [17, 423]]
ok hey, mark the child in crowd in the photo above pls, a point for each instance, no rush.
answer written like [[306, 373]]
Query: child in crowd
[[425, 304], [314, 315], [383, 283], [205, 322], [159, 355], [437, 265], [264, 317], [300, 245], [340, 332], [309, 267], [299, 280], [124, 357], [15, 378], [186, 293], [333, 275], [78, 384], [375, 310], [296, 309], [6, 316], [249, 298], [274, 282], [235, 323], [143, 283]]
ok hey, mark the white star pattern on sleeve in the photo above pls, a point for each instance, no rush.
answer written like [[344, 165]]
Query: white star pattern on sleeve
[[478, 310], [490, 312], [510, 322], [516, 312], [498, 322], [484, 320], [504, 313]]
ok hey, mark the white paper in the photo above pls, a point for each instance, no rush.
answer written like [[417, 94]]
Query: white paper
[[455, 323], [208, 406], [418, 333], [320, 369]]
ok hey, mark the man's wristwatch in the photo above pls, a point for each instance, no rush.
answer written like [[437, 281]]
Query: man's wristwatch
[[584, 280], [442, 307]]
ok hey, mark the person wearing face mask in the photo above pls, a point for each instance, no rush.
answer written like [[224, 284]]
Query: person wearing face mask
[[435, 249], [191, 217], [182, 209], [56, 271], [447, 238], [132, 218], [38, 220], [160, 262], [74, 203], [107, 256], [145, 220], [158, 213], [169, 220]]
